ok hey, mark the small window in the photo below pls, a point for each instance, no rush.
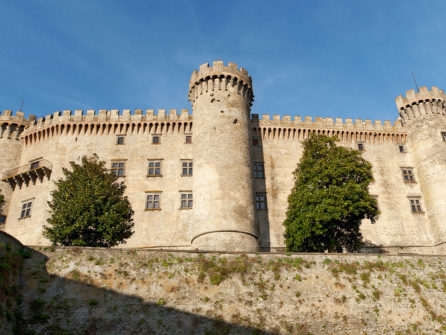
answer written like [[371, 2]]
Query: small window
[[255, 141], [2, 219], [34, 165], [120, 140], [408, 175], [156, 139], [261, 200], [118, 168], [259, 170], [443, 135], [361, 146], [153, 201], [188, 139], [415, 205], [186, 200], [26, 209], [186, 168], [401, 148], [154, 169]]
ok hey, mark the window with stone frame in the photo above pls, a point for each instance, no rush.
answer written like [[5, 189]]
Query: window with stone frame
[[261, 201], [401, 148], [34, 165], [154, 168], [408, 175], [188, 139], [187, 201], [415, 205], [2, 219], [120, 139], [156, 139], [118, 168], [361, 146], [153, 200], [186, 167], [26, 209], [259, 170]]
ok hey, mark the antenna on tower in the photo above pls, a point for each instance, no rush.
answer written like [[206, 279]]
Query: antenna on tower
[[415, 81], [21, 106]]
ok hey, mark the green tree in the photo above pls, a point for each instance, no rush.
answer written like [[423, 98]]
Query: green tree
[[329, 199], [88, 207]]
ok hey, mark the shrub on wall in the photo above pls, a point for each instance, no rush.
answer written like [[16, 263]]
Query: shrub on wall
[[88, 207], [329, 199]]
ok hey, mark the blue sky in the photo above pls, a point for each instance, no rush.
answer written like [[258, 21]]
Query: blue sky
[[308, 58]]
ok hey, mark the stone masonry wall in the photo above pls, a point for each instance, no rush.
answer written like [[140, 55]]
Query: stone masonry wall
[[124, 291]]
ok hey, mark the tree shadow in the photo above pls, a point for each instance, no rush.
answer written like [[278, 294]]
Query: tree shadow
[[52, 304]]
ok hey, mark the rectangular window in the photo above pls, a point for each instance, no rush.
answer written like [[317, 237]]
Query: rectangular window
[[408, 175], [255, 141], [261, 200], [186, 168], [415, 205], [156, 139], [2, 219], [259, 170], [34, 165], [154, 169], [120, 140], [26, 209], [443, 135], [188, 139], [186, 200], [118, 168], [153, 201], [361, 146], [401, 148]]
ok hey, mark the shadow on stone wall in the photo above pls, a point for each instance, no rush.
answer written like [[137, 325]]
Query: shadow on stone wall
[[52, 304]]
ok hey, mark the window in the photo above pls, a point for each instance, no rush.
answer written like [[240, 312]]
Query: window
[[259, 170], [156, 139], [255, 141], [118, 168], [186, 168], [443, 135], [186, 200], [188, 139], [2, 219], [360, 146], [153, 201], [401, 148], [260, 200], [26, 209], [408, 175], [34, 165], [120, 140], [154, 169], [415, 205]]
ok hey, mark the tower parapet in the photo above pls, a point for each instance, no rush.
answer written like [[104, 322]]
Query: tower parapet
[[224, 217], [418, 104]]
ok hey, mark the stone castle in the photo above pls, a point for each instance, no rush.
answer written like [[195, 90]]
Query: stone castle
[[218, 179]]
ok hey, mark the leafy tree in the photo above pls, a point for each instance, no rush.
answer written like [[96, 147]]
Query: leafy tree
[[88, 207], [329, 199]]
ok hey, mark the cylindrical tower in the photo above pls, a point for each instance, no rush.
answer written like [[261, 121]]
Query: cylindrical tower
[[423, 115], [221, 97], [10, 150]]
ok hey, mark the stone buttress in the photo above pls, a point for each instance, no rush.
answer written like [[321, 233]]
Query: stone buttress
[[224, 217]]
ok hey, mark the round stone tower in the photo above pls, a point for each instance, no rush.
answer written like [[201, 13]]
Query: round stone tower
[[423, 115], [11, 126], [224, 218]]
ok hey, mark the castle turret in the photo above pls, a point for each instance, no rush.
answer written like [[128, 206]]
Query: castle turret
[[423, 115], [221, 98], [11, 126]]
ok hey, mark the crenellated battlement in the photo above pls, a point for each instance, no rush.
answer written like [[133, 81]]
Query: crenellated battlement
[[219, 77], [8, 116], [326, 123], [416, 104], [112, 116]]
